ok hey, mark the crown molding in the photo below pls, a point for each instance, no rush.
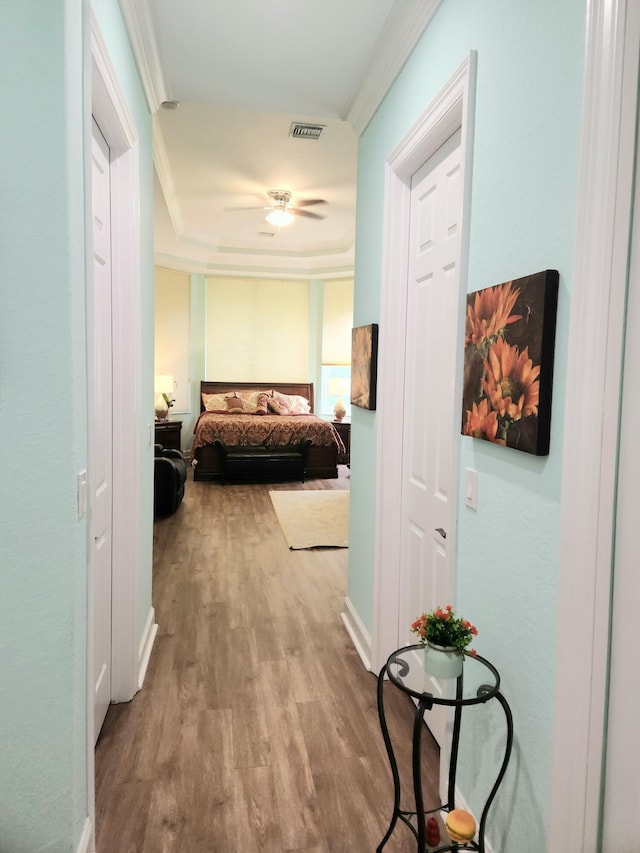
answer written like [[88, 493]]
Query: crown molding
[[247, 266], [406, 25], [165, 176], [141, 32]]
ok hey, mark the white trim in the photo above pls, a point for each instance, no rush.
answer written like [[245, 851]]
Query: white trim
[[404, 29], [117, 125], [111, 112], [260, 266], [127, 392], [165, 177], [589, 454], [107, 104], [142, 36], [86, 843], [360, 637], [146, 645], [451, 109]]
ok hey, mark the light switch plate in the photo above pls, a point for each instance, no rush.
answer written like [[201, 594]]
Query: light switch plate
[[471, 488], [82, 494]]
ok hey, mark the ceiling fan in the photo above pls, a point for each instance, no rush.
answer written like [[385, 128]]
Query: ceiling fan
[[281, 210]]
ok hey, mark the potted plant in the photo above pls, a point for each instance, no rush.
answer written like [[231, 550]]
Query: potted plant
[[445, 637]]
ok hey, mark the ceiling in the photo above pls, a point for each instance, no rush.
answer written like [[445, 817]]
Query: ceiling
[[241, 73]]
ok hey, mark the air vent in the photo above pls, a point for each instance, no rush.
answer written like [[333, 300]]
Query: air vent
[[265, 234], [306, 131]]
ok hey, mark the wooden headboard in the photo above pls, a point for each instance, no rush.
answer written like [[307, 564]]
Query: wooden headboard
[[304, 389]]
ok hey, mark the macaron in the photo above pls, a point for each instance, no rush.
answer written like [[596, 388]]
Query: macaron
[[460, 825]]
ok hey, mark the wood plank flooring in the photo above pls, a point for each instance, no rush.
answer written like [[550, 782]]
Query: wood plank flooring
[[257, 726]]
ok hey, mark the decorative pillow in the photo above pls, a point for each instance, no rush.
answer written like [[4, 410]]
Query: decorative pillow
[[289, 404], [250, 400], [234, 404], [215, 402], [301, 405], [280, 404], [262, 404]]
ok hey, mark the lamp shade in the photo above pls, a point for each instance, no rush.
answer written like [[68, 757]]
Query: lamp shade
[[338, 386], [163, 383]]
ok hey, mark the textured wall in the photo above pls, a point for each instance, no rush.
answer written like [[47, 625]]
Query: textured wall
[[42, 396], [529, 90], [43, 546]]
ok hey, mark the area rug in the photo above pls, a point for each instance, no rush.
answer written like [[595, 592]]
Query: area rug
[[313, 519]]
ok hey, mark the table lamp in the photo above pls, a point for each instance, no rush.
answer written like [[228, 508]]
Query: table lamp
[[163, 389], [338, 386]]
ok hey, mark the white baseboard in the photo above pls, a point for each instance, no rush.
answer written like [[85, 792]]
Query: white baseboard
[[360, 637], [146, 644], [86, 845]]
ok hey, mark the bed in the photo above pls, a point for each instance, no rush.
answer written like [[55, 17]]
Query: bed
[[218, 433]]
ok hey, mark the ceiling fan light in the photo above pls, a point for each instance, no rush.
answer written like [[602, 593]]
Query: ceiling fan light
[[279, 217]]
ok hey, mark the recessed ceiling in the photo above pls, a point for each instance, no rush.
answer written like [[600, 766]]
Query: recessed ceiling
[[242, 72]]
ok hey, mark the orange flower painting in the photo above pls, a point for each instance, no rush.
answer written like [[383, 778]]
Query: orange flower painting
[[508, 362]]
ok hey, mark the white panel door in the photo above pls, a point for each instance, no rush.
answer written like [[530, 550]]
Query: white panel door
[[100, 427], [430, 431]]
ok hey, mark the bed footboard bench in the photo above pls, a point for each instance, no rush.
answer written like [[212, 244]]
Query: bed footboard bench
[[263, 463]]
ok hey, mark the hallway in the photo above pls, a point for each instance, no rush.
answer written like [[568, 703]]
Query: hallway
[[257, 726]]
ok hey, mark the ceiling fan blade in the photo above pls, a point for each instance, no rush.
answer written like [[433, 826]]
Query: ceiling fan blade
[[307, 213], [305, 202]]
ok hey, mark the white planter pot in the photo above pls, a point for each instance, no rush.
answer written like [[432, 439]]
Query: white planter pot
[[443, 661]]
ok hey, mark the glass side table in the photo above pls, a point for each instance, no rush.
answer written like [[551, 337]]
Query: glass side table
[[478, 684]]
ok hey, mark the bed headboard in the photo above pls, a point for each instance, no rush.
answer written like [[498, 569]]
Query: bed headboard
[[304, 389]]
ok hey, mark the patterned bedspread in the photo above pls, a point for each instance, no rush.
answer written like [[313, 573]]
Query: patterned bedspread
[[267, 430]]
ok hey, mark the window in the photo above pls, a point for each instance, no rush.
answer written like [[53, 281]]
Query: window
[[336, 385]]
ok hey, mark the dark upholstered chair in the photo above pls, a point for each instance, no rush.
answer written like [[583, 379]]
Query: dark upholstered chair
[[170, 475]]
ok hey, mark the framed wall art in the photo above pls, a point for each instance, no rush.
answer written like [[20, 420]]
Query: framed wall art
[[364, 365], [508, 362]]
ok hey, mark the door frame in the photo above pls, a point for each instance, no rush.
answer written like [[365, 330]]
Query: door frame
[[594, 368], [106, 102], [451, 109]]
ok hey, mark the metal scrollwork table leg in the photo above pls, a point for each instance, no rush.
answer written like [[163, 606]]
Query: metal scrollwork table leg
[[425, 704]]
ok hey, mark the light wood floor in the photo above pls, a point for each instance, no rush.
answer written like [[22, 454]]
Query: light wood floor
[[257, 726]]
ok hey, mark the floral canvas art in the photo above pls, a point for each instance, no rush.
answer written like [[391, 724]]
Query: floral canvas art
[[508, 362]]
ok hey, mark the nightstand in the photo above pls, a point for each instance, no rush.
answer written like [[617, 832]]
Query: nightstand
[[168, 434], [343, 428]]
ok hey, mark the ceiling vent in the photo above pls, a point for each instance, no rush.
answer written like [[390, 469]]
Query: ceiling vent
[[265, 234], [306, 131]]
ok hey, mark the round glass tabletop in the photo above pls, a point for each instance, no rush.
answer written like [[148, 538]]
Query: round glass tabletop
[[408, 669]]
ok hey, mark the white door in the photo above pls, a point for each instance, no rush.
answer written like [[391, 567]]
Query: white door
[[622, 780], [431, 425], [100, 427]]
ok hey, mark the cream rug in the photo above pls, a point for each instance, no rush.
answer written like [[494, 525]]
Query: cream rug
[[313, 519]]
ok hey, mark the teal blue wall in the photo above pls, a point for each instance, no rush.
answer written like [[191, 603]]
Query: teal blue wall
[[523, 214], [43, 550]]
